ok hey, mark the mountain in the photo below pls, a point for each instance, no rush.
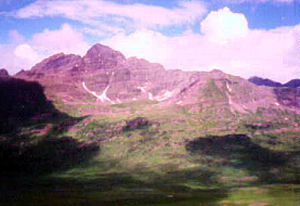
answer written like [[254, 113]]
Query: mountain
[[131, 131], [264, 82], [294, 83], [104, 77]]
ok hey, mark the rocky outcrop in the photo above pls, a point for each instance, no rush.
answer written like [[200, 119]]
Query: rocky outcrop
[[102, 57]]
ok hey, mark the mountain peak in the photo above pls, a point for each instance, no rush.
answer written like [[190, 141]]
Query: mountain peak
[[217, 71], [58, 62], [100, 52]]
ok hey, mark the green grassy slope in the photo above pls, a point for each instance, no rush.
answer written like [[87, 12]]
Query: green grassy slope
[[175, 151]]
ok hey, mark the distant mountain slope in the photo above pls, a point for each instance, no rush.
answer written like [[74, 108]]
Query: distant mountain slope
[[294, 83], [264, 82]]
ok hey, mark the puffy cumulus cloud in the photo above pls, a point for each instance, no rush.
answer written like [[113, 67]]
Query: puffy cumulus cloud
[[267, 53], [94, 11], [23, 54], [223, 25], [24, 51]]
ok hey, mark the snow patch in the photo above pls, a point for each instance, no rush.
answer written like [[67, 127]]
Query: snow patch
[[179, 102], [276, 103], [142, 89], [103, 97], [165, 96], [228, 87], [229, 99], [150, 96], [89, 91], [232, 105], [118, 100]]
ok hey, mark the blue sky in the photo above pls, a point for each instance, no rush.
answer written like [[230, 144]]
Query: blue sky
[[241, 37]]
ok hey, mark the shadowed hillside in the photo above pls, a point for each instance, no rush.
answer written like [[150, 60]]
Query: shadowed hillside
[[242, 152], [31, 141], [21, 101]]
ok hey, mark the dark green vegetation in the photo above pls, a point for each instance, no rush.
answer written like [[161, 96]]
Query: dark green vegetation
[[151, 156]]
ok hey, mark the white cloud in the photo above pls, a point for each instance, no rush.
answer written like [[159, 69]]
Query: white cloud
[[92, 11], [267, 53], [21, 54], [145, 44], [223, 25], [26, 52], [102, 30], [66, 39]]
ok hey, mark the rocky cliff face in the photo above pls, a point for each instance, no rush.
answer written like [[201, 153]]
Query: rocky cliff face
[[105, 76]]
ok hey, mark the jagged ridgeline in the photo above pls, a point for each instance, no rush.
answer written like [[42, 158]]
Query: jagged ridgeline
[[104, 77], [117, 124]]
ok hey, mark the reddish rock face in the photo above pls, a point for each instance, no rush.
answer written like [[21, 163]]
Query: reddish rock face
[[58, 63], [105, 76], [102, 57]]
